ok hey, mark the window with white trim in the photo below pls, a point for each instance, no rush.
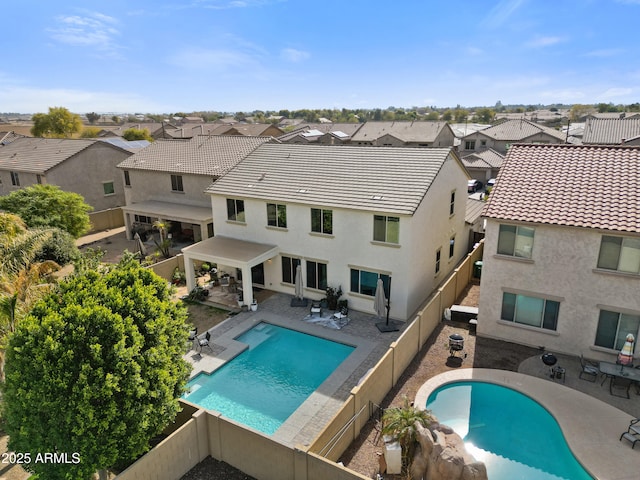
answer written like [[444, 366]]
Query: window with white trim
[[613, 328], [452, 246], [452, 203], [316, 275], [621, 254], [235, 210], [531, 311], [322, 221], [15, 179], [108, 188], [365, 282], [127, 179], [438, 256], [176, 183], [386, 229], [515, 241], [276, 215], [289, 265]]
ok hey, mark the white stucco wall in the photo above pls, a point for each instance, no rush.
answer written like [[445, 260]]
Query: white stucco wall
[[150, 185], [563, 267]]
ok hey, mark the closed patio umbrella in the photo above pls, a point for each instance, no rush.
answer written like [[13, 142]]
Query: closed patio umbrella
[[625, 357], [141, 248], [298, 282], [380, 301]]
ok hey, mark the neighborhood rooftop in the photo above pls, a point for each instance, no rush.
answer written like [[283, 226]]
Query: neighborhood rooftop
[[519, 130], [384, 179], [202, 155], [611, 131], [573, 185]]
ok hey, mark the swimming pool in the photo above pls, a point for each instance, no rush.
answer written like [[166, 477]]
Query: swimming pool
[[511, 433], [266, 383]]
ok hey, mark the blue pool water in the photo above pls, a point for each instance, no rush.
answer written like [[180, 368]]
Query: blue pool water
[[512, 434], [266, 383]]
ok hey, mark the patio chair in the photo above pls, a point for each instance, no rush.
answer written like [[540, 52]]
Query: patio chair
[[620, 384], [590, 369], [204, 342], [316, 309], [193, 334], [633, 432]]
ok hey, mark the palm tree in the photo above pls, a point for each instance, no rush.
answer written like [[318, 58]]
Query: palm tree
[[163, 245], [400, 423]]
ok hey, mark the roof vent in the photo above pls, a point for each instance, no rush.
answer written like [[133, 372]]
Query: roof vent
[[302, 190], [262, 177], [377, 197]]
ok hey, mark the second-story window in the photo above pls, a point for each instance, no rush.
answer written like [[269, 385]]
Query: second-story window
[[15, 179], [470, 145], [235, 210], [127, 179], [516, 241], [108, 189], [276, 215], [452, 246], [176, 183], [386, 229], [438, 256], [452, 203], [322, 221], [621, 254]]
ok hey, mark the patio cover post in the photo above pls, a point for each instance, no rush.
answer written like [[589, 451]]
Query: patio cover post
[[247, 285], [190, 273]]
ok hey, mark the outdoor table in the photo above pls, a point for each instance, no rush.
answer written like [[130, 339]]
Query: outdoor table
[[617, 370]]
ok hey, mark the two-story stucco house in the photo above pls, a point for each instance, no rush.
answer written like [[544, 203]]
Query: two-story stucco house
[[561, 266], [500, 137], [167, 180], [347, 215], [86, 167]]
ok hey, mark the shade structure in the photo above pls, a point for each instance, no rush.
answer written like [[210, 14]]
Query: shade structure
[[625, 357], [380, 301], [298, 283], [141, 248]]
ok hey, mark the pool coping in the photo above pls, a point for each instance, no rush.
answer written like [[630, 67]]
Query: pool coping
[[302, 426], [591, 427]]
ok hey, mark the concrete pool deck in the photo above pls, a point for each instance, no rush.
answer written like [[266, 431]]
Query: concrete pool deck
[[591, 427], [314, 414]]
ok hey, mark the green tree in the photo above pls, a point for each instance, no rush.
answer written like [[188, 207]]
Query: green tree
[[578, 111], [115, 119], [93, 117], [131, 134], [89, 132], [58, 123], [95, 369], [49, 206], [400, 423]]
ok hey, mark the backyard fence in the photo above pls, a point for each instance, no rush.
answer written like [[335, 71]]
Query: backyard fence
[[106, 219], [255, 454]]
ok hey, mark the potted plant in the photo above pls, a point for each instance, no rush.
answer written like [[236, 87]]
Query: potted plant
[[254, 305], [333, 295]]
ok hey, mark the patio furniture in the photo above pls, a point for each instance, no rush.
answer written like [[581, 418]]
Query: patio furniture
[[626, 375], [316, 309], [589, 369], [633, 432], [620, 384], [204, 342], [193, 334], [558, 373]]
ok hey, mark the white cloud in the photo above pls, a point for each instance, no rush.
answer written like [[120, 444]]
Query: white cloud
[[544, 41], [602, 53], [616, 92], [293, 55], [501, 13], [91, 30]]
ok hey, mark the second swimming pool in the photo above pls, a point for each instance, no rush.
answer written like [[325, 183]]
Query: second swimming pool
[[511, 433], [265, 384]]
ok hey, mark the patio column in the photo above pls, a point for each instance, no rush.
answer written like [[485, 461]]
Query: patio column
[[190, 273], [127, 225], [247, 284]]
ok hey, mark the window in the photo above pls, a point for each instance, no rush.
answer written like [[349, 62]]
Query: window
[[108, 189], [531, 311], [613, 328], [470, 145], [452, 246], [316, 275], [276, 215], [142, 219], [452, 203], [127, 179], [176, 183], [438, 255], [15, 179], [365, 283], [39, 179], [322, 221], [620, 253], [515, 241], [483, 143], [289, 266], [235, 210], [386, 229]]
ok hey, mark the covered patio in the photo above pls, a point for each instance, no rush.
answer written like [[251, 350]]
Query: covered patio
[[228, 252]]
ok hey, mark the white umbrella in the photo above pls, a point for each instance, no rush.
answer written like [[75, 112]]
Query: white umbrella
[[141, 248], [625, 357], [298, 282], [380, 302]]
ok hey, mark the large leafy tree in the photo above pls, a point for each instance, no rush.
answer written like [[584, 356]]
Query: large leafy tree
[[95, 369], [49, 206], [132, 134], [58, 123]]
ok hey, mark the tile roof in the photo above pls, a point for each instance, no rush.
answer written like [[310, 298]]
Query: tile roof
[[382, 179], [473, 211], [592, 186], [610, 131], [405, 131], [212, 155], [38, 155], [488, 158], [519, 130], [348, 128]]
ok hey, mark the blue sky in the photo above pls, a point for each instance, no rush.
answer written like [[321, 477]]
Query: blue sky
[[167, 56]]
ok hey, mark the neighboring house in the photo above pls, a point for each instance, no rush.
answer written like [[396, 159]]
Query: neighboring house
[[86, 167], [250, 129], [611, 131], [461, 130], [7, 137], [321, 133], [483, 165], [404, 134], [501, 136], [347, 215], [561, 266], [166, 181], [474, 221]]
